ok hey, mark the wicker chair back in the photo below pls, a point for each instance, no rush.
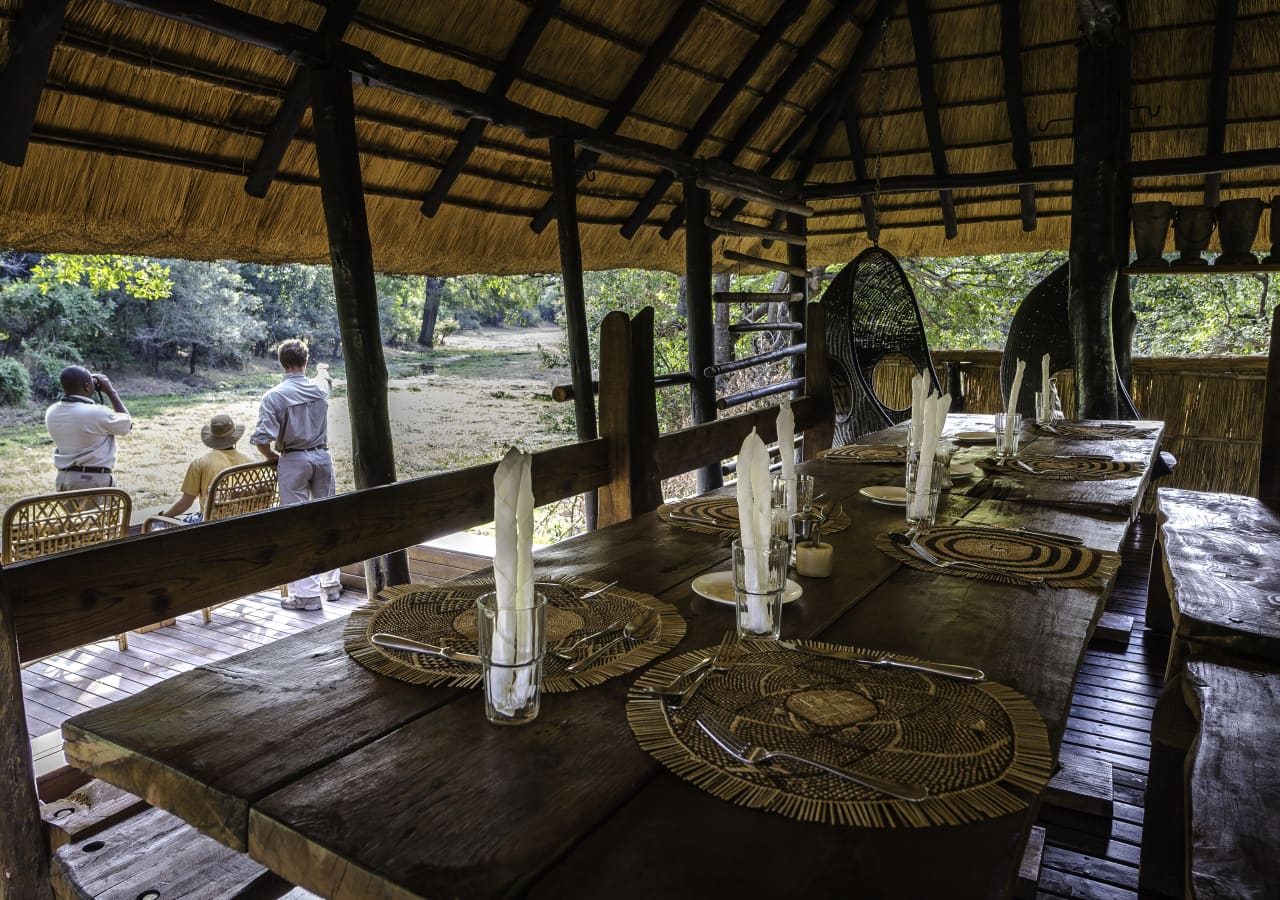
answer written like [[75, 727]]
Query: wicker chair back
[[53, 523]]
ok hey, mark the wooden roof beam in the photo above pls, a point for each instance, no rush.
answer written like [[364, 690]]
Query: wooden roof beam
[[299, 43], [786, 14], [1224, 32], [1011, 55], [858, 154], [658, 53], [534, 24], [840, 15], [31, 40], [918, 12], [297, 98]]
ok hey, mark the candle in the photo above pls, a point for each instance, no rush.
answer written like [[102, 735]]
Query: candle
[[814, 560]]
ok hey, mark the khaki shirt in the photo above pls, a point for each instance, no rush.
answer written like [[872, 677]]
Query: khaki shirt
[[84, 433]]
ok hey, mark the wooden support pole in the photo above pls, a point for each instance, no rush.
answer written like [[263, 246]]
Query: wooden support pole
[[774, 264], [858, 153], [615, 417], [534, 24], [747, 362], [729, 91], [1224, 33], [24, 862], [817, 386], [798, 257], [918, 11], [697, 270], [1102, 103], [1011, 55], [646, 483], [564, 180], [742, 229], [31, 39], [351, 257], [337, 16], [1269, 462]]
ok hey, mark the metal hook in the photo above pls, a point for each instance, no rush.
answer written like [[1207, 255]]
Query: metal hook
[[1045, 126], [1153, 112]]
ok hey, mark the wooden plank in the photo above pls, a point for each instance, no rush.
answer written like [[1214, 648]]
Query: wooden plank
[[32, 36], [1224, 32], [155, 853], [774, 264], [742, 229], [1019, 134], [530, 30], [1081, 784], [95, 806], [1113, 628], [918, 13], [646, 483], [615, 425], [782, 18], [60, 604], [701, 337], [685, 450], [1029, 868], [1269, 461]]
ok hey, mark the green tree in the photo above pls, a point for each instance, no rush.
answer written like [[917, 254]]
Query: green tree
[[207, 315]]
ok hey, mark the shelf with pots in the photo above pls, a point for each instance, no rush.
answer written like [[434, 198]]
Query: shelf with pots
[[1237, 223]]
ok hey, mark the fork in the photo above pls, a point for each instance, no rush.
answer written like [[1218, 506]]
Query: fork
[[923, 553], [567, 652], [754, 755]]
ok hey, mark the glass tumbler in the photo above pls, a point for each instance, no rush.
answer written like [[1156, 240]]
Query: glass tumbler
[[512, 644], [922, 496], [1007, 441], [759, 578]]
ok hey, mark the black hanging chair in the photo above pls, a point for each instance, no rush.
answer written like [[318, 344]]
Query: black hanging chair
[[1041, 325], [871, 313]]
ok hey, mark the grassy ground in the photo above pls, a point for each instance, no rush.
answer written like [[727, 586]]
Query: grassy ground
[[459, 405]]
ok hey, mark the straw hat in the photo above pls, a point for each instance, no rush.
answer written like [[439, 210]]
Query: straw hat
[[221, 433]]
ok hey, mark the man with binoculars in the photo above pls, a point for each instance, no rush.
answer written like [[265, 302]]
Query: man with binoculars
[[84, 433]]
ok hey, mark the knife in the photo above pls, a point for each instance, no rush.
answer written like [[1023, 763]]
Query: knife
[[960, 673], [699, 520], [393, 642]]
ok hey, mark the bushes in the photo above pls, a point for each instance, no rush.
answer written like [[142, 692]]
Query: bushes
[[45, 364], [15, 383]]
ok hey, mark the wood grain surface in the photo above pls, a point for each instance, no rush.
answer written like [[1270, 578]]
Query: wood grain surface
[[357, 786]]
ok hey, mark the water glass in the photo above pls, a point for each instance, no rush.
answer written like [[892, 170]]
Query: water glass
[[512, 644], [1007, 443], [1043, 416], [943, 454], [759, 578], [922, 505], [790, 495]]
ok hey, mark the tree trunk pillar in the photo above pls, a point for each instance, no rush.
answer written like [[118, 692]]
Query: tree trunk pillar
[[1100, 111], [432, 291], [351, 256], [697, 265]]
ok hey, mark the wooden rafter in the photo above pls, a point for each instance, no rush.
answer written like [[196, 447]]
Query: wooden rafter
[[839, 16], [658, 53], [1011, 56], [299, 43], [31, 41], [534, 24], [297, 97], [858, 153], [918, 12], [1224, 32], [733, 85]]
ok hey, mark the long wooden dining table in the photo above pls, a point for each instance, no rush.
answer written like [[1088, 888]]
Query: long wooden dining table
[[356, 785]]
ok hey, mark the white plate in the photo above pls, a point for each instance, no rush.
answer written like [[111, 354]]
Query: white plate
[[975, 437], [963, 470], [885, 494], [718, 588]]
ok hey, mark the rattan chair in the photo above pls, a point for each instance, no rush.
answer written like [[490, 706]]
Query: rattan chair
[[235, 491], [1041, 325], [54, 523], [871, 313]]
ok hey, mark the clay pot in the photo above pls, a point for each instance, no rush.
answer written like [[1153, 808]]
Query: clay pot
[[1237, 230], [1192, 228], [1275, 232], [1150, 230]]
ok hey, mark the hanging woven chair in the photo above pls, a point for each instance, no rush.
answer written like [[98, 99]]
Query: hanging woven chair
[[1041, 325], [871, 313]]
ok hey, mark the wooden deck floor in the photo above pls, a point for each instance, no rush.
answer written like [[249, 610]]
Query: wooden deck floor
[[1084, 857]]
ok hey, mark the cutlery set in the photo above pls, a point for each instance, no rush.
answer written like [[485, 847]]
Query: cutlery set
[[914, 548]]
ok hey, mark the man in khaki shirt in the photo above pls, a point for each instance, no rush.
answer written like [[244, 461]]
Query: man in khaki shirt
[[84, 433], [220, 436]]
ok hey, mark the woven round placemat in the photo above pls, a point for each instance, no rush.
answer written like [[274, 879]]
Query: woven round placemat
[[445, 615], [974, 747], [1072, 468], [719, 515], [1018, 553], [1099, 432], [866, 453]]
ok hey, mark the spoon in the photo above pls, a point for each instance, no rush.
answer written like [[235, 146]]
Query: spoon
[[638, 628], [567, 651]]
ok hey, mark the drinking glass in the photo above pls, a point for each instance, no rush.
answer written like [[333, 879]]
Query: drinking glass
[[759, 577], [1043, 416], [1007, 444], [512, 643], [922, 505], [790, 495], [943, 454]]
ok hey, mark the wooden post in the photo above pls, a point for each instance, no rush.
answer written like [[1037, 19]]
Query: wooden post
[[817, 383], [564, 181], [24, 864], [697, 265], [646, 482], [797, 255], [351, 255], [31, 38], [615, 417], [1102, 102], [1269, 463]]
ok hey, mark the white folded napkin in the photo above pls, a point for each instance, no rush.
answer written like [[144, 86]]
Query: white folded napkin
[[1011, 403], [1045, 413], [787, 448], [513, 579], [928, 419], [755, 525]]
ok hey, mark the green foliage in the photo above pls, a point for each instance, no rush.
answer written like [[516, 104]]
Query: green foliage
[[145, 279], [497, 300], [15, 384], [1204, 315], [45, 364], [400, 299], [36, 315], [208, 314]]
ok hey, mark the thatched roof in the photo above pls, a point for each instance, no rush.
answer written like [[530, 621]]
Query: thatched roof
[[147, 126]]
